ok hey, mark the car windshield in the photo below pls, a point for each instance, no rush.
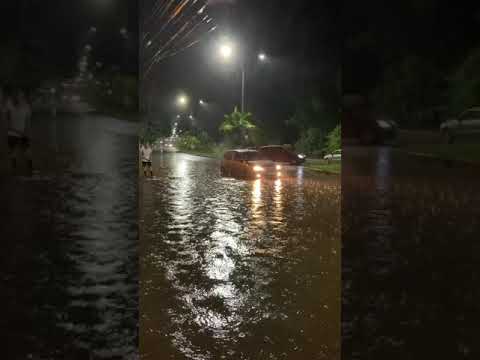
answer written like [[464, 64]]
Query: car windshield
[[248, 156], [275, 149]]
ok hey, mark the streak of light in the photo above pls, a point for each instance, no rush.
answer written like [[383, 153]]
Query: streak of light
[[182, 24], [179, 9], [168, 21], [160, 6], [166, 56]]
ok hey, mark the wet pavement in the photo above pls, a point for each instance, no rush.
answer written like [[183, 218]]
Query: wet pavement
[[410, 257], [69, 260], [234, 269]]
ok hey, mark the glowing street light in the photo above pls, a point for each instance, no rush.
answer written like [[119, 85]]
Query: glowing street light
[[182, 101], [226, 51]]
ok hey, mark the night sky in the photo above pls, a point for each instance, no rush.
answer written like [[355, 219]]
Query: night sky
[[300, 38], [309, 41], [377, 33]]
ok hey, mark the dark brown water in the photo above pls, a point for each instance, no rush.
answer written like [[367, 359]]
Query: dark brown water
[[236, 269], [69, 259], [410, 257]]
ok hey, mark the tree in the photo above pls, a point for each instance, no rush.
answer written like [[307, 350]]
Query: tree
[[465, 83], [314, 118], [238, 127], [195, 141], [334, 140], [314, 112], [311, 141], [407, 89], [148, 134], [188, 142]]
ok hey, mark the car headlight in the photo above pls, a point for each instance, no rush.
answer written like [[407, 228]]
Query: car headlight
[[301, 156], [258, 168]]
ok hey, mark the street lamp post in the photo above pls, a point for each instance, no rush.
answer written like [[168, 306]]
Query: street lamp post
[[227, 52], [244, 80]]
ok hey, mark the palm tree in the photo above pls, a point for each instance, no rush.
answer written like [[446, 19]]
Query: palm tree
[[237, 126]]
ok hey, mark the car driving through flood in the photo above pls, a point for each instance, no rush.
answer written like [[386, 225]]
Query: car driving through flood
[[249, 164], [281, 154]]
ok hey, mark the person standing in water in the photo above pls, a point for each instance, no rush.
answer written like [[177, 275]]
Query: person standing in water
[[146, 155], [20, 114]]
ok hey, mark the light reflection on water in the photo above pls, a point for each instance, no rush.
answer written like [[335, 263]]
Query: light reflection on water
[[221, 274], [98, 216], [79, 247]]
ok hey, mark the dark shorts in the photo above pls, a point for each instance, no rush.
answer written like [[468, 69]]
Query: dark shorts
[[146, 163], [15, 141]]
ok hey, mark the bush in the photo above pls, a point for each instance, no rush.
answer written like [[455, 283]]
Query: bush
[[147, 134], [334, 140], [311, 141], [465, 83], [188, 142], [206, 141], [195, 142]]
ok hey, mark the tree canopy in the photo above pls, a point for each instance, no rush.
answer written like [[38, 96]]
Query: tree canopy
[[238, 126]]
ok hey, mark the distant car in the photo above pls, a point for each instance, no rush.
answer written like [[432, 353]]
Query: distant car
[[248, 164], [334, 156], [386, 130], [361, 123], [168, 147], [280, 154], [465, 125]]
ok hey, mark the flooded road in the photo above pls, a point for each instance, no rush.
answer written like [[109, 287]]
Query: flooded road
[[69, 260], [410, 257], [235, 269]]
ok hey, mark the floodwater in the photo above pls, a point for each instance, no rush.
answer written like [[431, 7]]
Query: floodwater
[[69, 260], [410, 257], [234, 269]]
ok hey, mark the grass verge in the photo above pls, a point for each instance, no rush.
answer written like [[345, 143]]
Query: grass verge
[[319, 165]]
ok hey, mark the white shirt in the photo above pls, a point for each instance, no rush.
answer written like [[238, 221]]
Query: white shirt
[[19, 116], [146, 153]]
